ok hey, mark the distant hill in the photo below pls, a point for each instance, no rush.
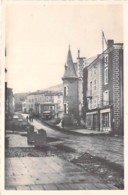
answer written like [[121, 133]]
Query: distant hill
[[19, 97], [58, 88]]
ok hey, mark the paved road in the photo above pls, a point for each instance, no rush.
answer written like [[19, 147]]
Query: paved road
[[55, 173], [107, 147]]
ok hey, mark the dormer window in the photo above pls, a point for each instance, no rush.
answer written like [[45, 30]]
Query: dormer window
[[66, 66]]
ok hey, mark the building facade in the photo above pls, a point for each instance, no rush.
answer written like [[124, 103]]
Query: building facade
[[103, 90], [37, 102]]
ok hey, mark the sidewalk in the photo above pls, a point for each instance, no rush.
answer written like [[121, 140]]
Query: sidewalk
[[88, 132], [76, 131], [49, 173]]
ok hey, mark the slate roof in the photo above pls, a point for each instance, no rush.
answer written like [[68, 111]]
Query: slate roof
[[88, 61], [46, 93], [70, 71]]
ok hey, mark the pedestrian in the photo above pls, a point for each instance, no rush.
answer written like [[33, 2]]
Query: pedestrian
[[27, 118]]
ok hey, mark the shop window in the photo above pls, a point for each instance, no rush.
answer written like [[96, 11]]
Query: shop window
[[105, 119]]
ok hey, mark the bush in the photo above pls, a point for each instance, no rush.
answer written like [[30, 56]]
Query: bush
[[57, 121], [67, 120]]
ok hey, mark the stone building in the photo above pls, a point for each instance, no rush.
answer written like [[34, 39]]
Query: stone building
[[103, 90], [72, 87], [39, 101]]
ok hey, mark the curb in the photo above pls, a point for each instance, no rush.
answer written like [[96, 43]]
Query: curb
[[73, 132]]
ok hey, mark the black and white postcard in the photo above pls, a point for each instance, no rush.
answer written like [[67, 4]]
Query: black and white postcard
[[64, 86]]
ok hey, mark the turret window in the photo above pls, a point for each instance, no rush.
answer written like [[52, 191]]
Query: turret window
[[65, 108], [65, 91]]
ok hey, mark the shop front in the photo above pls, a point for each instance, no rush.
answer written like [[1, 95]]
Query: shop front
[[105, 120], [92, 120]]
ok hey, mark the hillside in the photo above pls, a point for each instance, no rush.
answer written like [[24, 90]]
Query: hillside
[[58, 87], [19, 97]]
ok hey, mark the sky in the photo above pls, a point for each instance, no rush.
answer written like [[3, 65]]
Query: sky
[[37, 39]]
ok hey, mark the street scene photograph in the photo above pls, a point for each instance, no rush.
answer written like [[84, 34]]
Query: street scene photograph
[[64, 96]]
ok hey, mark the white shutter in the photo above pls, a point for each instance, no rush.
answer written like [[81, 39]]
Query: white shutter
[[107, 97]]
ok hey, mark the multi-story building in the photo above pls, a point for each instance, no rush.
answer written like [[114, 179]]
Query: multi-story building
[[55, 97], [33, 100], [40, 101], [103, 90]]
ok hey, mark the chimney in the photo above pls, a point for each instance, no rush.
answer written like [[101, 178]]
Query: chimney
[[110, 43], [78, 53]]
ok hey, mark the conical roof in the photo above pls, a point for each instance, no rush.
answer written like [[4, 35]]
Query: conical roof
[[70, 71]]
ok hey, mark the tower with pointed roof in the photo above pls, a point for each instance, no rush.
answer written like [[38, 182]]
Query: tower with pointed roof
[[71, 87]]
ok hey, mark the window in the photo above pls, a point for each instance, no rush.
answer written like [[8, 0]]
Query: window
[[105, 119], [106, 60], [65, 108], [95, 84], [105, 76], [46, 98], [65, 91], [91, 88], [91, 71], [106, 98], [90, 104]]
